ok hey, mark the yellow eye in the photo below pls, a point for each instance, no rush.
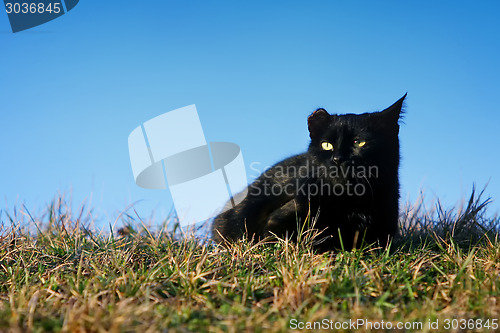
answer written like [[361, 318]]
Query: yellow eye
[[359, 143], [325, 145]]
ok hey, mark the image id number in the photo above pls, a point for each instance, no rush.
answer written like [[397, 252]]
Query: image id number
[[32, 8], [471, 324]]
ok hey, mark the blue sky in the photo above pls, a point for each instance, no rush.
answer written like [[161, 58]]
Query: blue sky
[[73, 89]]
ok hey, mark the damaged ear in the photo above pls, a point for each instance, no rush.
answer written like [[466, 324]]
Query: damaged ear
[[317, 122]]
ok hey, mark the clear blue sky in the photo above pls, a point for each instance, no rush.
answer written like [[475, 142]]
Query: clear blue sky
[[73, 89]]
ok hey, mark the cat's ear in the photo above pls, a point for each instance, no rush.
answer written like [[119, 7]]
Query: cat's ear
[[317, 122], [394, 112]]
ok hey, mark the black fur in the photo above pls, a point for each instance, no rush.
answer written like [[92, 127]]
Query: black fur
[[351, 190]]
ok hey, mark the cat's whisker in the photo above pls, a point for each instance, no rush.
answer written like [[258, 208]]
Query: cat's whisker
[[369, 184]]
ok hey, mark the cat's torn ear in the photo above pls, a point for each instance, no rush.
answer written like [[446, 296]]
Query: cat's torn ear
[[394, 112], [317, 122]]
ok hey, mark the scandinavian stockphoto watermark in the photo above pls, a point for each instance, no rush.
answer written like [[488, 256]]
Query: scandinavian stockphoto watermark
[[26, 14], [310, 180], [454, 324], [202, 177]]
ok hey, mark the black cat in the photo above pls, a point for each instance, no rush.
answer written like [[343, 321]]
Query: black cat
[[346, 185]]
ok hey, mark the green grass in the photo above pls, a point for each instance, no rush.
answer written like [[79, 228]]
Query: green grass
[[58, 275]]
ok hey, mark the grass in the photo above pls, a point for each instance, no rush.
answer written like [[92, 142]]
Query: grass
[[58, 275]]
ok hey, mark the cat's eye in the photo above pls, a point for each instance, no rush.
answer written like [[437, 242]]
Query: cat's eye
[[325, 145], [359, 143]]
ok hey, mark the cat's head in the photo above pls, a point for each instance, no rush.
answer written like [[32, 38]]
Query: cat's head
[[365, 139]]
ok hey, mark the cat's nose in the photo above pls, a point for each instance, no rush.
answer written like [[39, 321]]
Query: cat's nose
[[338, 158]]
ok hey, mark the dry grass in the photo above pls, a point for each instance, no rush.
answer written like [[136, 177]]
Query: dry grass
[[61, 276]]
